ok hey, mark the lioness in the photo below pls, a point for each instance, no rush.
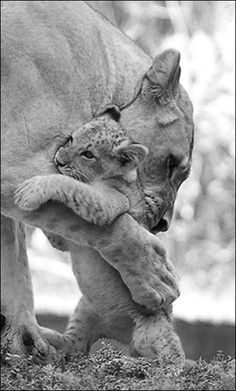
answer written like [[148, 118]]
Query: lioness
[[105, 161], [63, 64]]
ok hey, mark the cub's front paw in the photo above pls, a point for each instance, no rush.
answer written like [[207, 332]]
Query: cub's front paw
[[30, 194]]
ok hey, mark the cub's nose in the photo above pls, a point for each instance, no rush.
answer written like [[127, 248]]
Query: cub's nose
[[61, 158], [60, 164]]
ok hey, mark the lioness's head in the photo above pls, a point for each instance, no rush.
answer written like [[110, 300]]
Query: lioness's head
[[161, 118]]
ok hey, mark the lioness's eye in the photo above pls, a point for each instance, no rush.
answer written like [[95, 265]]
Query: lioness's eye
[[177, 162], [70, 140], [88, 154], [172, 163]]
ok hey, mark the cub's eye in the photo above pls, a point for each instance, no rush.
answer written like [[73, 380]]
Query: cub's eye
[[88, 154]]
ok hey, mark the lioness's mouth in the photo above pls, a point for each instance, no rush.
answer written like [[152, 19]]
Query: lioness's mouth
[[157, 213]]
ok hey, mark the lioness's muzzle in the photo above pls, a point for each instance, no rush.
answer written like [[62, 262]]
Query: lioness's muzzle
[[164, 222]]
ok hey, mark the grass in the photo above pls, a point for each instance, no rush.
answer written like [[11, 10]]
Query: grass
[[110, 369]]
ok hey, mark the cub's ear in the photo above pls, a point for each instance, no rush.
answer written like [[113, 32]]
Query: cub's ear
[[110, 111], [130, 154], [163, 76]]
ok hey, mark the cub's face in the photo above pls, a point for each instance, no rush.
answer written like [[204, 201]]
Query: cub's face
[[100, 150], [84, 161]]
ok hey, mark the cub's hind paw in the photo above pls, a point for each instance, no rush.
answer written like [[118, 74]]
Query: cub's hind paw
[[29, 195]]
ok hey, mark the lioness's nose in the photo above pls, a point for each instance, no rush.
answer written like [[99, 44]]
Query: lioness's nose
[[164, 222]]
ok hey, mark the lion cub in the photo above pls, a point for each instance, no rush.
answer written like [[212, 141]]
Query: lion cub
[[104, 161]]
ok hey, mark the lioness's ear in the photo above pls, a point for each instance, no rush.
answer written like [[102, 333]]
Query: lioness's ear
[[163, 76], [130, 154]]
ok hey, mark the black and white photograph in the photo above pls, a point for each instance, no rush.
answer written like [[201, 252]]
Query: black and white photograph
[[117, 195]]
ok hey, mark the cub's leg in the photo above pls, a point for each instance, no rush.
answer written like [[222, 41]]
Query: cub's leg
[[96, 203], [154, 337], [20, 332], [84, 329]]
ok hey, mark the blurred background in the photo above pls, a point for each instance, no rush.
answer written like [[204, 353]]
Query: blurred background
[[201, 237]]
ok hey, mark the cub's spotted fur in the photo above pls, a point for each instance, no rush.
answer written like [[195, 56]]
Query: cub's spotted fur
[[104, 161]]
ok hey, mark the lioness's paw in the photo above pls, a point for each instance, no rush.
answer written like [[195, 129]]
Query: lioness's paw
[[157, 285], [151, 300], [166, 285], [25, 337], [164, 275], [30, 194], [34, 344], [43, 352]]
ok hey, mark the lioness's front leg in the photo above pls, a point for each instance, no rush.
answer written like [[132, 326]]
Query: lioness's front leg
[[125, 245], [141, 259], [20, 331], [82, 198]]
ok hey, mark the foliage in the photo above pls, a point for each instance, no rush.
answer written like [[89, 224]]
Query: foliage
[[110, 369]]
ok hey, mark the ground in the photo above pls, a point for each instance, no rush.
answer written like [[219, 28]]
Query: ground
[[109, 369]]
